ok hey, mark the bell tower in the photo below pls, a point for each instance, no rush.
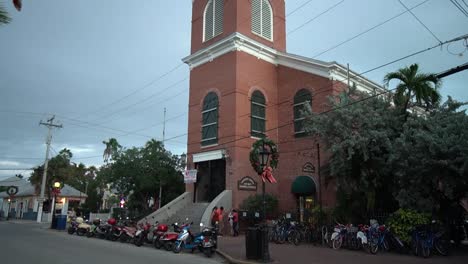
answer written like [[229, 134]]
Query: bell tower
[[260, 20]]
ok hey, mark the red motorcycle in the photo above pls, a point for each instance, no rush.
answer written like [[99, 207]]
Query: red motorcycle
[[158, 233], [142, 233], [168, 239], [128, 232]]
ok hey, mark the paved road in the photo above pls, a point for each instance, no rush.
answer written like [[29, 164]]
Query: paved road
[[30, 243]]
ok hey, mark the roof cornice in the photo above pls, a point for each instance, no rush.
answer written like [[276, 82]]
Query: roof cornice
[[240, 42]]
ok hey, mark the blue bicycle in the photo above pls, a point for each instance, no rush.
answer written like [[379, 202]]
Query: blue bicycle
[[426, 238]]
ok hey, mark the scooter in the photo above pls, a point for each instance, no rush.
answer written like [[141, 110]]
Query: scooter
[[98, 229], [187, 240], [128, 232], [158, 233], [141, 234], [168, 239], [83, 227], [73, 226]]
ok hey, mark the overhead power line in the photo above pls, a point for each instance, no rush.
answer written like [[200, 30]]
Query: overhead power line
[[453, 71], [420, 22], [315, 17], [459, 7]]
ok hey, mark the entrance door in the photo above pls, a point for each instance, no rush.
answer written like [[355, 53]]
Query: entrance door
[[211, 180]]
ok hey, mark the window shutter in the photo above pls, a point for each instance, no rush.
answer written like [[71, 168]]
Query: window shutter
[[209, 21], [257, 16], [266, 19], [218, 13]]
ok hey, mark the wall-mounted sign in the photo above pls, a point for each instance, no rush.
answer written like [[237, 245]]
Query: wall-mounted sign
[[190, 176], [247, 184], [308, 167]]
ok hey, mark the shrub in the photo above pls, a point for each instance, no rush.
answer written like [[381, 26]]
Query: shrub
[[403, 221], [254, 203]]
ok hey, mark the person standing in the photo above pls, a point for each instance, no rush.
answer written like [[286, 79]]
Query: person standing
[[235, 222], [214, 217], [221, 220], [231, 229]]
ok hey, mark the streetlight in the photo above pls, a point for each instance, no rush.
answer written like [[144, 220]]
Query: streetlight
[[55, 190], [264, 155]]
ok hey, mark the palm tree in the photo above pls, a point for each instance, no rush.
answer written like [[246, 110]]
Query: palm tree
[[415, 88], [4, 18], [112, 147]]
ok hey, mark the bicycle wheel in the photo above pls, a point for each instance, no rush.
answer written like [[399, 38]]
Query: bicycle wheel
[[373, 246], [424, 249], [441, 246], [294, 237], [337, 242]]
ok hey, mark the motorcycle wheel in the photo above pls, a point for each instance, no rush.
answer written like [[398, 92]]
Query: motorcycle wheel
[[138, 241], [168, 246], [123, 238], [80, 231], [177, 247], [157, 244], [89, 234], [71, 230], [208, 252], [337, 243]]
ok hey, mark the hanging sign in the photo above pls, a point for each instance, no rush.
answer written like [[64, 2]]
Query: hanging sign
[[247, 184], [190, 176]]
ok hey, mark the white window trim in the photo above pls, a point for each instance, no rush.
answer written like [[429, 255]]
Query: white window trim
[[261, 21]]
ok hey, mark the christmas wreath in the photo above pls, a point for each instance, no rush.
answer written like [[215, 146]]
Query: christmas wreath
[[255, 152]]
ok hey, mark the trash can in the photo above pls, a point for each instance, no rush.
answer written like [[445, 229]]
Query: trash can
[[61, 222], [252, 245]]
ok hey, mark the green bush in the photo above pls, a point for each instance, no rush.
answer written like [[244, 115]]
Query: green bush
[[402, 221], [254, 203]]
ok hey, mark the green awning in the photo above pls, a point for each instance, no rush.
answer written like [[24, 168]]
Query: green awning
[[303, 185]]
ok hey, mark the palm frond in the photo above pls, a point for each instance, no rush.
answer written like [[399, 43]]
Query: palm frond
[[4, 17]]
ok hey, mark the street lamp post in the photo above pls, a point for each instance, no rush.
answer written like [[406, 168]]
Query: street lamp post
[[9, 207], [264, 155], [56, 190]]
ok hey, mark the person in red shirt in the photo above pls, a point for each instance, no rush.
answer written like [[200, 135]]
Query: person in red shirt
[[214, 217], [235, 222], [221, 221]]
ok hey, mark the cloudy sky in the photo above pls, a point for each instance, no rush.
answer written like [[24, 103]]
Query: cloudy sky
[[109, 68]]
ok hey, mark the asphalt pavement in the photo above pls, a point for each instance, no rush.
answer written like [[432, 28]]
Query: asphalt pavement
[[28, 242]]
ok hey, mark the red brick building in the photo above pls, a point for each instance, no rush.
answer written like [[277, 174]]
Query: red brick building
[[244, 85]]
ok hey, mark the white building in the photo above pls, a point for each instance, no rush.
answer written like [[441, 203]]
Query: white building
[[24, 204]]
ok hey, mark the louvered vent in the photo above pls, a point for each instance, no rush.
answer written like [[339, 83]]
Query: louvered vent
[[213, 19], [257, 16], [262, 22], [219, 14]]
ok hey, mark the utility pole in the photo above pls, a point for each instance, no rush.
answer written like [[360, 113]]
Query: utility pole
[[50, 125], [163, 138], [347, 74]]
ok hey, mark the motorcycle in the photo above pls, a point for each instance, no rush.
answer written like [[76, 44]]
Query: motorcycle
[[158, 233], [115, 230], [210, 240], [98, 229], [187, 240], [128, 232], [83, 227], [168, 239], [141, 234], [73, 226]]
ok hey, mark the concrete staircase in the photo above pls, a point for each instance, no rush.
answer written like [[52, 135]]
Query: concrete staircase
[[192, 211]]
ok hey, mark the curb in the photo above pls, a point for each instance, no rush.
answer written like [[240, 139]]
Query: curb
[[233, 260]]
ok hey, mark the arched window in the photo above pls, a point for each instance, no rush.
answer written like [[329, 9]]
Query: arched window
[[262, 18], [257, 118], [213, 19], [301, 99], [210, 120]]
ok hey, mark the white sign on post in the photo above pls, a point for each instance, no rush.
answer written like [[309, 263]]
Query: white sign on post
[[190, 176]]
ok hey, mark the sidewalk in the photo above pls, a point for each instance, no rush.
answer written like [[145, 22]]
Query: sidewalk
[[234, 248], [43, 225]]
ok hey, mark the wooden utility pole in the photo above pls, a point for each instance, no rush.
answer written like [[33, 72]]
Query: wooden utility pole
[[50, 125]]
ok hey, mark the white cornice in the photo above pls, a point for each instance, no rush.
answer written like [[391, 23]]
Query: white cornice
[[239, 42]]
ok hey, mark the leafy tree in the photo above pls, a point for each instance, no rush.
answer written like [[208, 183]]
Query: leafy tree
[[415, 88], [112, 147], [137, 173], [359, 137], [431, 159]]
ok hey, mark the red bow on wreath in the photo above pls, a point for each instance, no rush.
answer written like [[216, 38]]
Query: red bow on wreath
[[267, 175]]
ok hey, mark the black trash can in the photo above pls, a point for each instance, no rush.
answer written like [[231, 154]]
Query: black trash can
[[252, 245]]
